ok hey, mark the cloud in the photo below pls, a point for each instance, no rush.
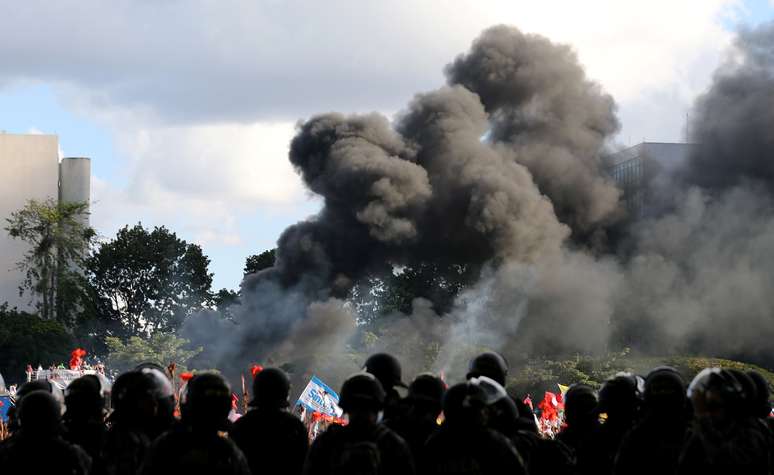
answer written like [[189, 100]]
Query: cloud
[[200, 97], [239, 165], [240, 60]]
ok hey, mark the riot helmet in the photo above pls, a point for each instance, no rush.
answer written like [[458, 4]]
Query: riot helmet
[[386, 368]]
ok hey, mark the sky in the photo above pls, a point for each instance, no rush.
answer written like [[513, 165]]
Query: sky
[[187, 107]]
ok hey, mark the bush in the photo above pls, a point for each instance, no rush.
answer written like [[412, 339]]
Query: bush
[[28, 339], [540, 375]]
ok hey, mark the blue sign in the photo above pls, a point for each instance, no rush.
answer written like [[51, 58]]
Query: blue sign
[[5, 404], [318, 397]]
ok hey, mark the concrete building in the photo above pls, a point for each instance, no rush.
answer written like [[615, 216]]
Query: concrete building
[[30, 169], [636, 169]]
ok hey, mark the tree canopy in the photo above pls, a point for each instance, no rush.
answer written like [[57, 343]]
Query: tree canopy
[[28, 339], [149, 281], [258, 262], [161, 348], [59, 243]]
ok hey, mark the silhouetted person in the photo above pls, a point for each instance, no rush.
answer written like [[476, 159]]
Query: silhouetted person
[[164, 394], [464, 444], [494, 366], [38, 444], [386, 368], [142, 401], [580, 416], [196, 446], [84, 419], [761, 406], [28, 387], [723, 437], [274, 441], [489, 364], [424, 405], [539, 455], [364, 446], [619, 400], [654, 444]]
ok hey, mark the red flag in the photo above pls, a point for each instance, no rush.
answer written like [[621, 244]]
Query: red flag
[[548, 407], [76, 357], [186, 376]]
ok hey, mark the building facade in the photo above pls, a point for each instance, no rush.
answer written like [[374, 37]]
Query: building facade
[[636, 170], [30, 169]]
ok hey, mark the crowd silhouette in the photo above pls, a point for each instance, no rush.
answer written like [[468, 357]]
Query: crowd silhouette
[[718, 424]]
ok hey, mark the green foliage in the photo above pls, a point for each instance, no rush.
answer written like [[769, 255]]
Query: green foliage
[[258, 262], [224, 299], [438, 283], [149, 281], [58, 246], [160, 348], [537, 376], [28, 339]]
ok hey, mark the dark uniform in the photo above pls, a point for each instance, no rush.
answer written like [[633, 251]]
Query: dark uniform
[[274, 441], [38, 444], [654, 444], [619, 398], [142, 406], [723, 438], [84, 420], [464, 444], [181, 450], [196, 445], [386, 368], [364, 446], [349, 451], [424, 404]]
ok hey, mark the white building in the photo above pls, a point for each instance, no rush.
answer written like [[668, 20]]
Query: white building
[[30, 169]]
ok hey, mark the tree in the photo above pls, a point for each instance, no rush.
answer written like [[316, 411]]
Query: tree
[[28, 339], [258, 262], [59, 244], [149, 281], [224, 299], [440, 283], [161, 348]]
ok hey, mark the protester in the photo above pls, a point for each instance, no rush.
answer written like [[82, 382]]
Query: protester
[[721, 424], [619, 403], [273, 440], [580, 417], [28, 387], [84, 419], [654, 444], [489, 364], [386, 368], [196, 445], [724, 438], [464, 444], [38, 444], [142, 401], [424, 405], [364, 446]]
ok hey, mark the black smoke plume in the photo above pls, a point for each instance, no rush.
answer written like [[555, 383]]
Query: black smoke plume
[[501, 171], [701, 277]]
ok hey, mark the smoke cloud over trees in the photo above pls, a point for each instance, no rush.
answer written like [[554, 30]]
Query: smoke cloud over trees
[[500, 175]]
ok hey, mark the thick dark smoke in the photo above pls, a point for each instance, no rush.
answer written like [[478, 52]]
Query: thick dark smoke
[[702, 276], [501, 171], [549, 117], [733, 123]]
